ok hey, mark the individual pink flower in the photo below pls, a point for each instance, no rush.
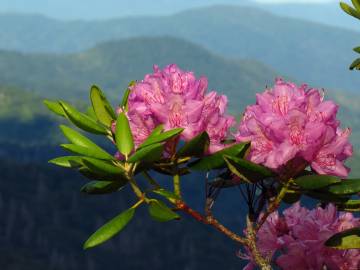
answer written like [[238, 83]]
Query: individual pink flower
[[290, 122], [176, 99], [299, 236]]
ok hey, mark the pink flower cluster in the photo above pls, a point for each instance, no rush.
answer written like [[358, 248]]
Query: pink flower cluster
[[299, 237], [289, 122], [176, 99]]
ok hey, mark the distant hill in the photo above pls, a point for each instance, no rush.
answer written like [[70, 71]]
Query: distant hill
[[93, 9], [114, 64], [325, 13], [310, 52]]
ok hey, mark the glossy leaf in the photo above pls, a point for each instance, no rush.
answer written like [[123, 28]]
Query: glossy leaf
[[220, 182], [216, 160], [291, 197], [162, 137], [326, 196], [195, 147], [55, 107], [347, 239], [123, 135], [156, 131], [147, 154], [124, 102], [235, 171], [168, 171], [357, 49], [94, 174], [345, 187], [82, 120], [160, 212], [80, 140], [85, 151], [102, 108], [316, 181], [90, 112], [167, 194], [349, 10], [111, 228], [102, 166], [350, 206], [102, 187], [356, 4], [355, 64], [67, 161], [248, 168]]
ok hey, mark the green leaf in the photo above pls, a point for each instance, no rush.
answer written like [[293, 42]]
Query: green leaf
[[162, 137], [148, 154], [160, 212], [355, 64], [85, 151], [123, 135], [326, 196], [216, 160], [311, 182], [111, 228], [67, 161], [90, 112], [102, 187], [124, 102], [349, 10], [345, 187], [102, 108], [82, 141], [356, 4], [350, 206], [235, 171], [225, 182], [357, 49], [347, 239], [291, 197], [156, 131], [101, 176], [83, 121], [55, 107], [102, 166], [168, 171], [249, 169], [167, 194], [195, 147]]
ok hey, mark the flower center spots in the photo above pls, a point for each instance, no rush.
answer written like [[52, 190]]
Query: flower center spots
[[176, 83], [176, 117], [327, 160], [280, 104], [158, 97], [262, 145]]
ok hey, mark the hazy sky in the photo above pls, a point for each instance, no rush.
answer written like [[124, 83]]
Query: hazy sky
[[294, 1], [101, 9]]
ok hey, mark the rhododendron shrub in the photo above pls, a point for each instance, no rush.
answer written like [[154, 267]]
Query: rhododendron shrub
[[298, 237], [288, 146], [290, 122], [176, 99]]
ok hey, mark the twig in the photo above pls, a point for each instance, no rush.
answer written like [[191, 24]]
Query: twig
[[273, 206]]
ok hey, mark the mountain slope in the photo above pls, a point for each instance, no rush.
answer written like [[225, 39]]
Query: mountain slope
[[325, 13], [114, 64], [310, 52]]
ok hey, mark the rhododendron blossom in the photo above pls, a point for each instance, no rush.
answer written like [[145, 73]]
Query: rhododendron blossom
[[299, 236], [290, 122], [176, 99]]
